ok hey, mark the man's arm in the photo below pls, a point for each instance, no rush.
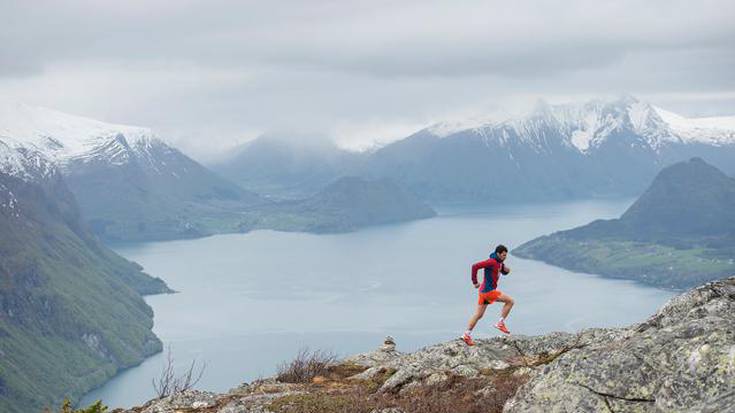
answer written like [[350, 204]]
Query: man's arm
[[488, 263], [504, 270]]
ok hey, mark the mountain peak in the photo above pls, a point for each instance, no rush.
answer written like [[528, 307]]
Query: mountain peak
[[687, 197], [541, 107], [587, 125], [583, 125], [626, 99], [32, 136], [59, 135]]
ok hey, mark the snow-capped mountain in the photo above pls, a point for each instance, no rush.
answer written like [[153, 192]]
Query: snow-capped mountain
[[67, 140], [599, 147], [585, 126], [588, 125], [716, 131], [130, 184], [26, 163]]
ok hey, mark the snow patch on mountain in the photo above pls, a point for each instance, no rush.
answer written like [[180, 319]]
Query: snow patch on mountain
[[588, 125], [34, 140], [8, 202], [22, 162], [63, 137], [709, 130], [450, 127]]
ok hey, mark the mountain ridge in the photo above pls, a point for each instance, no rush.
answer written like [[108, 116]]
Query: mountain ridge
[[553, 152], [598, 117], [592, 149]]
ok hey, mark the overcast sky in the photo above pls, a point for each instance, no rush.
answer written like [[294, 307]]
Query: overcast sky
[[207, 74]]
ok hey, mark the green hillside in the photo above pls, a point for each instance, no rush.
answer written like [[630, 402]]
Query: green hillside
[[71, 312]]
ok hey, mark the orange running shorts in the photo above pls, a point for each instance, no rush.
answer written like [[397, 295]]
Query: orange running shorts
[[489, 297]]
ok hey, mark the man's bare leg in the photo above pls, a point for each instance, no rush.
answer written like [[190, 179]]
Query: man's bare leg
[[477, 316], [473, 321], [507, 306]]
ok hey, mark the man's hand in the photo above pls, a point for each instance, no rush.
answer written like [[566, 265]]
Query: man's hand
[[477, 285], [507, 269]]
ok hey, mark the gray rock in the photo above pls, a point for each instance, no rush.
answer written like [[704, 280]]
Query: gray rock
[[402, 377], [436, 378], [465, 371], [368, 374], [386, 354], [254, 403], [188, 400], [389, 344], [681, 359]]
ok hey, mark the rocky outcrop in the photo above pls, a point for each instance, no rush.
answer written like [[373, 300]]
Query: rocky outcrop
[[680, 359]]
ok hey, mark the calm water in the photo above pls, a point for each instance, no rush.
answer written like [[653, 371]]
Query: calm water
[[249, 301]]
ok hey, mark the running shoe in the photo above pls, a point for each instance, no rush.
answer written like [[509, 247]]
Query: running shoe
[[467, 339], [501, 326]]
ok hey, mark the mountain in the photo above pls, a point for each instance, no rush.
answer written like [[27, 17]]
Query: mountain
[[688, 199], [679, 233], [130, 184], [596, 148], [71, 312], [347, 204], [678, 360], [290, 167]]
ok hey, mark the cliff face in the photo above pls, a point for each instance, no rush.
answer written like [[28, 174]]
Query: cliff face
[[680, 359]]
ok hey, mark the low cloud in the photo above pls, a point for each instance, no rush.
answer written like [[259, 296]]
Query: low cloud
[[237, 69]]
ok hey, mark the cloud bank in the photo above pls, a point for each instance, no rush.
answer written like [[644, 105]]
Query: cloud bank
[[210, 74]]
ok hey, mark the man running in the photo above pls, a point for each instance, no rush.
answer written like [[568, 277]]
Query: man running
[[489, 292]]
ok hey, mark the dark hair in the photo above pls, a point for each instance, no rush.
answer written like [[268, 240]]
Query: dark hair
[[501, 249]]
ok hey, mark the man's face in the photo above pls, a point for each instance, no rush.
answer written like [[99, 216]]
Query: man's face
[[502, 255]]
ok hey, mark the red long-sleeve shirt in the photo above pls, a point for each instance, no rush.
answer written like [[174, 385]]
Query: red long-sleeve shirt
[[493, 266]]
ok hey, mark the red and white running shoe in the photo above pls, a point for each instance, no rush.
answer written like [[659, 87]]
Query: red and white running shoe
[[467, 339], [501, 326]]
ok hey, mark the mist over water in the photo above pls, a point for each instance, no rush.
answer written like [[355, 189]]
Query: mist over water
[[249, 301]]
